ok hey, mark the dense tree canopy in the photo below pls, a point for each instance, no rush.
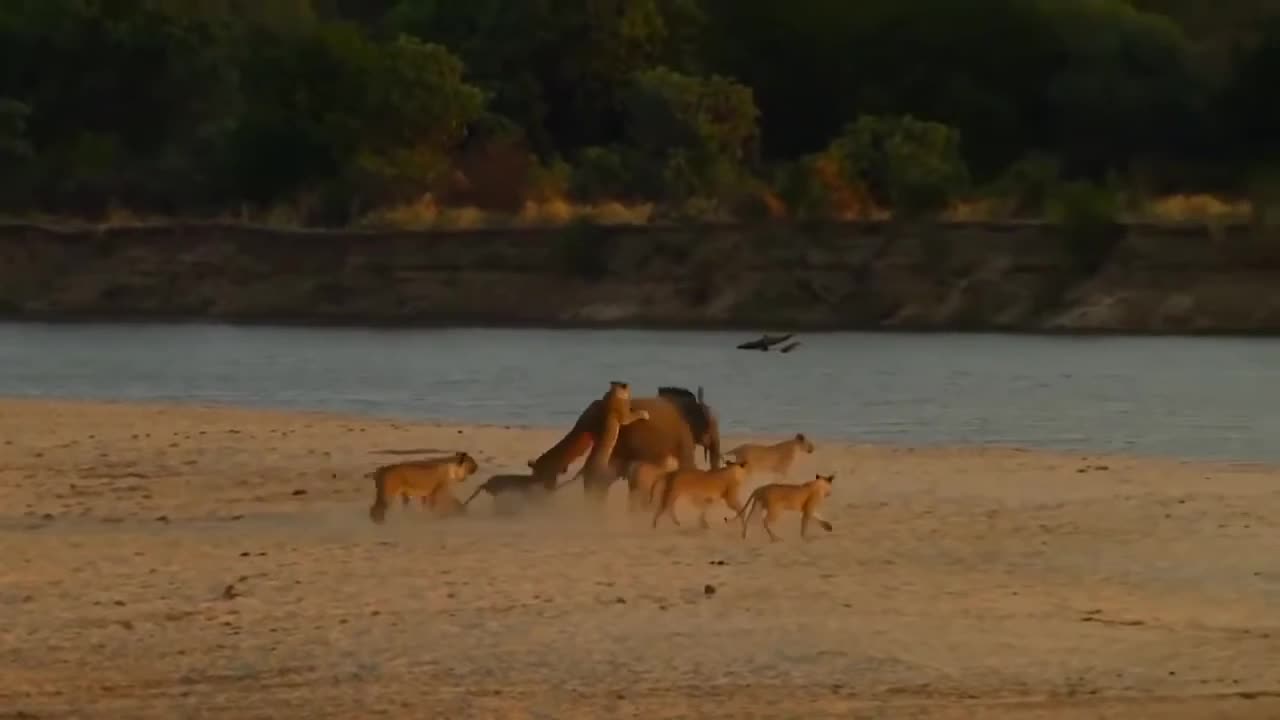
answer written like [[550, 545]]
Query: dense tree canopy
[[341, 106]]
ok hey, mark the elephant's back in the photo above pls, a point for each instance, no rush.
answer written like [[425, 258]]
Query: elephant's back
[[665, 434]]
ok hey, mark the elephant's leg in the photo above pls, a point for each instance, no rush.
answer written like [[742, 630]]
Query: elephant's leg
[[685, 453]]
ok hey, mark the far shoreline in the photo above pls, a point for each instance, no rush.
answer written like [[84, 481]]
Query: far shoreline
[[556, 431], [303, 322], [949, 277]]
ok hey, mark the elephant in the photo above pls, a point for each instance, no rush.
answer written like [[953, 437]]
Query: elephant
[[678, 421], [703, 423]]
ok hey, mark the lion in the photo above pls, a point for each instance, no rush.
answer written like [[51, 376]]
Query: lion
[[430, 480], [775, 459], [528, 486], [641, 477], [777, 497], [597, 472], [702, 487], [551, 465]]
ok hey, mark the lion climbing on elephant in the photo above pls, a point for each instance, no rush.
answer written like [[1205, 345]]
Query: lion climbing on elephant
[[678, 422]]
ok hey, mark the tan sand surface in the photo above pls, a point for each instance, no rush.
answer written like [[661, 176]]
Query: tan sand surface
[[175, 562]]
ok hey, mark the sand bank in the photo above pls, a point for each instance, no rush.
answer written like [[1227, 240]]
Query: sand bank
[[165, 562]]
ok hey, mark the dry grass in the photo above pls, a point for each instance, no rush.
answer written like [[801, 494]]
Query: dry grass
[[975, 210], [1196, 208], [427, 214], [1183, 208]]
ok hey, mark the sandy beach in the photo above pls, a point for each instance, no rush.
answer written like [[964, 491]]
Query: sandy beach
[[166, 561]]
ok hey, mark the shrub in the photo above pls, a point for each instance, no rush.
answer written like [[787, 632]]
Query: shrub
[[1089, 218], [1026, 187], [913, 165]]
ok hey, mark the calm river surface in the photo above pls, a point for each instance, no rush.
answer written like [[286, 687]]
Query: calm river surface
[[1210, 398]]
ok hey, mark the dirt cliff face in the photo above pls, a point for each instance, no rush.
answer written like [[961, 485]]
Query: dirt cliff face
[[977, 276]]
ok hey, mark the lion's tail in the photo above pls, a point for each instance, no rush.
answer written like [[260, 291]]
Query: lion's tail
[[378, 510], [752, 499], [482, 488]]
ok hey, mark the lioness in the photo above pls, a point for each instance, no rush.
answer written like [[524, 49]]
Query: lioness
[[776, 458], [530, 486], [641, 477], [597, 472], [702, 487], [777, 497], [430, 480]]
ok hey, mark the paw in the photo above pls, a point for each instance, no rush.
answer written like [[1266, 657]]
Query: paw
[[825, 525]]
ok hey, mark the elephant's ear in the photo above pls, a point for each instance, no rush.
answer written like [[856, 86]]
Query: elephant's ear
[[691, 407], [678, 394]]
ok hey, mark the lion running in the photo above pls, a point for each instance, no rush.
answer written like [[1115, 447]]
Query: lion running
[[775, 459], [776, 498], [527, 486], [701, 487], [431, 480]]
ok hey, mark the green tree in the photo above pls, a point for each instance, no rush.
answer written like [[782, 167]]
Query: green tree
[[126, 98], [714, 115], [557, 67], [976, 65], [700, 130], [912, 165], [337, 106], [14, 145], [198, 105], [1251, 108], [1127, 88]]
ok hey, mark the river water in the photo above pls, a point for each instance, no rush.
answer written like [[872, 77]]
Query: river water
[[1187, 397]]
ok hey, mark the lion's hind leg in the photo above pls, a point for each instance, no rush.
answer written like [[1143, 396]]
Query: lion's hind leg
[[667, 507], [484, 487], [767, 520], [702, 519], [749, 516]]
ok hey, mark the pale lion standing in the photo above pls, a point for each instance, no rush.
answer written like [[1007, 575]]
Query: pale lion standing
[[775, 459], [778, 497], [431, 480]]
